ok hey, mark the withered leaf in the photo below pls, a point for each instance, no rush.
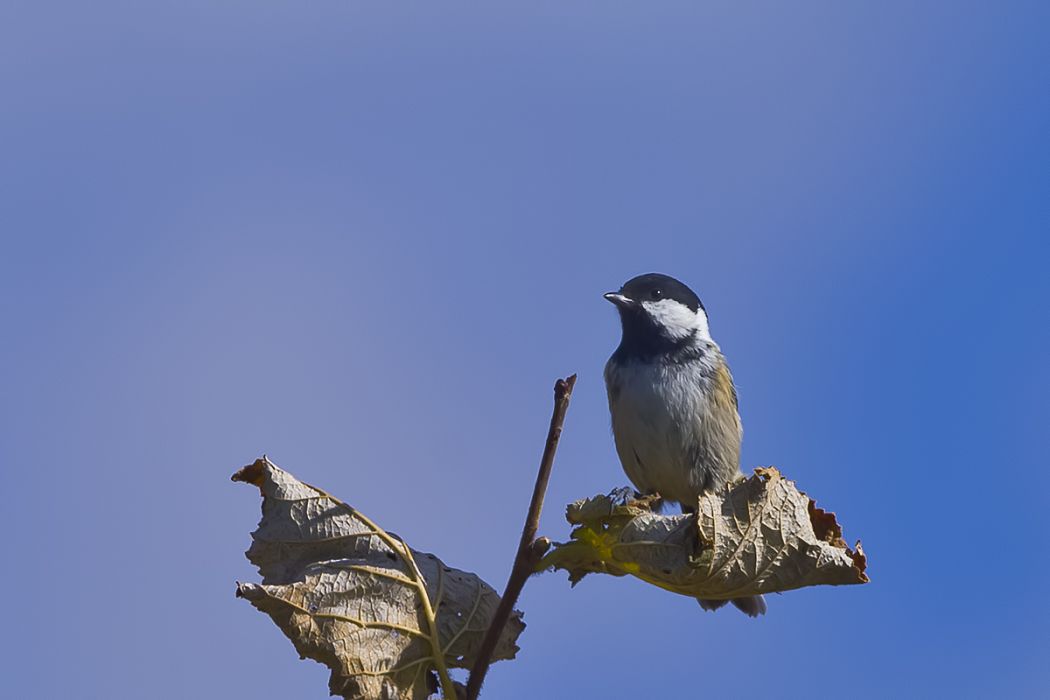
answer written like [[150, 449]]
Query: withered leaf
[[356, 598], [759, 535]]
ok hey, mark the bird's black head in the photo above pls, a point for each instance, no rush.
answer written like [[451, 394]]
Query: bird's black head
[[654, 287], [660, 315]]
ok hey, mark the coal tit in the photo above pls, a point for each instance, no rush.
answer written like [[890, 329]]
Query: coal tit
[[672, 400]]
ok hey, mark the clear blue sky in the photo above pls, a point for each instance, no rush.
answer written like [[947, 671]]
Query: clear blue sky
[[365, 238]]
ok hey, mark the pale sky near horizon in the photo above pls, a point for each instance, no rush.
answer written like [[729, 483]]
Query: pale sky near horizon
[[365, 238]]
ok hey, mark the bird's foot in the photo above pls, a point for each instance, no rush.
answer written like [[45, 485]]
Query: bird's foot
[[626, 495], [623, 495]]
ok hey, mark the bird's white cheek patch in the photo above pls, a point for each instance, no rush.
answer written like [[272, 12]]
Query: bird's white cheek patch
[[677, 319]]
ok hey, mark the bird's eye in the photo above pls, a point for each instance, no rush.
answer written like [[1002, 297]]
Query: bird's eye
[[656, 294]]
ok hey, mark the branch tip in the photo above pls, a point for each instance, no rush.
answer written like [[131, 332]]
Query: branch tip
[[530, 549]]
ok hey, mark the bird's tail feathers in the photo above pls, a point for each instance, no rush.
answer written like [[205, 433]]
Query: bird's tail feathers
[[752, 606]]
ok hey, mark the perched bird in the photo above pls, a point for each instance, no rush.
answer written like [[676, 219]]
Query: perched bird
[[672, 400]]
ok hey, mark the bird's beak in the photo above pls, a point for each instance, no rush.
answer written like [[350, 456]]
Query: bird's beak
[[620, 300]]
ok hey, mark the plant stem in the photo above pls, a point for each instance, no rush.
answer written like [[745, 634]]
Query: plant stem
[[530, 550], [448, 688]]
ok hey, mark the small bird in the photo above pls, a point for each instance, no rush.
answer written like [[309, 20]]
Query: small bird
[[672, 399]]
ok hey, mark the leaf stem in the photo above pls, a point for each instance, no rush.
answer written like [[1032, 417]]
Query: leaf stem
[[448, 690], [530, 550], [396, 545]]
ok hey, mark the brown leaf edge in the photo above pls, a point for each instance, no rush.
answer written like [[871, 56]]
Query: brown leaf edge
[[826, 528], [251, 474]]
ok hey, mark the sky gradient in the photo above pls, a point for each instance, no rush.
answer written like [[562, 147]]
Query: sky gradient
[[365, 238]]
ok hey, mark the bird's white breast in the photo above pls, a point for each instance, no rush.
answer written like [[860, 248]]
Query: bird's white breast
[[657, 412]]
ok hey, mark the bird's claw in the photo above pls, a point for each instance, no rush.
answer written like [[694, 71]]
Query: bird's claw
[[623, 495]]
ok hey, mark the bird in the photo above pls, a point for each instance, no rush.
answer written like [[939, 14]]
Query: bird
[[673, 403]]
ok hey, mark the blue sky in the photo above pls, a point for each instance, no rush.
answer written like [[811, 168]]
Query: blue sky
[[365, 239]]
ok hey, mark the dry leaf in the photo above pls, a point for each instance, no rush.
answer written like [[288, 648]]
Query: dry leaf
[[356, 598], [759, 535]]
